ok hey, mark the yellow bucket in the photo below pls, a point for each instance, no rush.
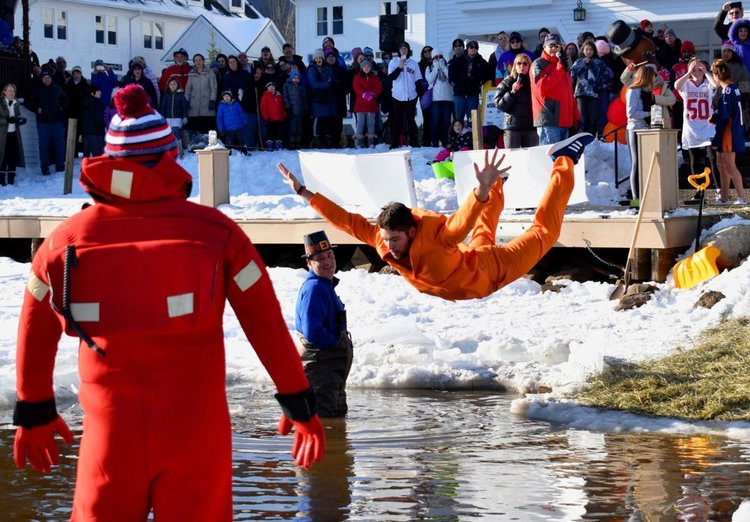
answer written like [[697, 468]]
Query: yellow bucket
[[696, 268]]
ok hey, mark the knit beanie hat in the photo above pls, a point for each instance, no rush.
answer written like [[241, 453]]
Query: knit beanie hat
[[670, 32], [687, 47], [728, 45], [137, 132], [602, 47], [318, 52], [645, 23]]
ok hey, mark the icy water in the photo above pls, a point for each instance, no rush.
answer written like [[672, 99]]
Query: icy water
[[408, 455]]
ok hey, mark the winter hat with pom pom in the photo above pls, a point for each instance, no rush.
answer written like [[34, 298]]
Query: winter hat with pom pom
[[137, 132]]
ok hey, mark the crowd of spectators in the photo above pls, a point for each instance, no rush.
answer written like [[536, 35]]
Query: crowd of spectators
[[546, 90]]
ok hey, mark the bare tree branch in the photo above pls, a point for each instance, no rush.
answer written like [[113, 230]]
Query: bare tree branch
[[281, 12]]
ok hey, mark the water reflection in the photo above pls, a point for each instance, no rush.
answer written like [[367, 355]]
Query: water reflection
[[422, 455]]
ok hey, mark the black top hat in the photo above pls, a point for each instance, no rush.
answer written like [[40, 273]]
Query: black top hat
[[623, 37], [316, 242]]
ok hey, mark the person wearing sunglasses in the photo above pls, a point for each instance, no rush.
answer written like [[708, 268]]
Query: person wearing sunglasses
[[554, 107], [730, 12], [513, 97], [504, 65], [467, 73]]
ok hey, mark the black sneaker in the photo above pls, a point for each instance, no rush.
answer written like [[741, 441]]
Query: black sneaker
[[572, 147]]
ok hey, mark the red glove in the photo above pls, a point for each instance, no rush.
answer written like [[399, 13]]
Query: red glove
[[309, 439], [38, 445]]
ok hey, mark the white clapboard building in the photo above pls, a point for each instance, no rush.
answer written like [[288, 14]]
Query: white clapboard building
[[115, 31], [355, 23]]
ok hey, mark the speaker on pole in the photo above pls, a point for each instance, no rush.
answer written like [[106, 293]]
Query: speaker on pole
[[391, 32]]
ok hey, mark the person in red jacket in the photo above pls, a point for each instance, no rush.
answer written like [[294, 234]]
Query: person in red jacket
[[180, 70], [274, 113], [367, 87], [552, 101], [142, 277], [428, 248]]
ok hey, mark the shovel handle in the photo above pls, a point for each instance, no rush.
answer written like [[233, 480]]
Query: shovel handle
[[639, 218], [705, 176]]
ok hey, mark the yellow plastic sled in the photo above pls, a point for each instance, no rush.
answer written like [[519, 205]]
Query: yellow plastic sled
[[701, 265], [696, 268]]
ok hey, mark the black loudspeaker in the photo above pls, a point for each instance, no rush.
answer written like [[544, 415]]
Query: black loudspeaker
[[391, 32]]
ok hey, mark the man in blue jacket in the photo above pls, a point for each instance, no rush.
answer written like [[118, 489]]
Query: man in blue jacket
[[321, 322]]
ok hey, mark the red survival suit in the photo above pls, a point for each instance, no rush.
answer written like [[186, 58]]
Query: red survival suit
[[148, 276]]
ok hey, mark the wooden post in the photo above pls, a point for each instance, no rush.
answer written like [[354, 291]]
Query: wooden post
[[213, 176], [476, 130], [70, 155], [662, 262], [664, 193], [641, 268]]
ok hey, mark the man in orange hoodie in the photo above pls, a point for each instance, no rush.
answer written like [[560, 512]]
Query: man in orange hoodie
[[427, 248], [142, 278]]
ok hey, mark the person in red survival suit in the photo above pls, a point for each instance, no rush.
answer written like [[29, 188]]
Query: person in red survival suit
[[142, 277]]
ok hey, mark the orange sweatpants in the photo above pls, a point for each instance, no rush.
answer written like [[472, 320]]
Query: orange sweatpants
[[506, 263]]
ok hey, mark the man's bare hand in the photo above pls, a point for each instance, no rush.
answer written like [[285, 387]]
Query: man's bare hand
[[491, 170], [289, 178], [489, 174]]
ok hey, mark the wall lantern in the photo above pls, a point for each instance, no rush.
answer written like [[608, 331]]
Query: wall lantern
[[579, 13]]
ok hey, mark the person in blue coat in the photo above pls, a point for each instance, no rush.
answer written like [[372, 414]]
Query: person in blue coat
[[104, 78], [730, 134], [325, 107], [231, 122], [321, 324]]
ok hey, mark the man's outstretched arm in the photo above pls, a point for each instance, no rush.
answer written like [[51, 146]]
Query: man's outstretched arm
[[463, 220], [353, 224]]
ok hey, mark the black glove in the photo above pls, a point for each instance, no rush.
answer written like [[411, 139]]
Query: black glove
[[21, 120], [11, 119], [211, 105]]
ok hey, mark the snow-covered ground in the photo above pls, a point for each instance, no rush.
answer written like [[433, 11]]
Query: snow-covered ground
[[519, 337]]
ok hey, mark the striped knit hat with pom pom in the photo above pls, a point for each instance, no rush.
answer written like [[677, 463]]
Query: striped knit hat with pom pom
[[137, 132]]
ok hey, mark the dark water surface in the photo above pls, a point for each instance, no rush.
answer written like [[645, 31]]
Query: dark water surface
[[412, 455]]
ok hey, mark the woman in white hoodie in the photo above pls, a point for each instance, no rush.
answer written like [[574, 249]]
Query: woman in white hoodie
[[441, 111], [404, 73]]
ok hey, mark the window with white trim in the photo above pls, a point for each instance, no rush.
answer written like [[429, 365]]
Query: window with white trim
[[389, 8], [337, 19], [55, 23], [237, 5], [322, 21], [153, 35], [106, 29]]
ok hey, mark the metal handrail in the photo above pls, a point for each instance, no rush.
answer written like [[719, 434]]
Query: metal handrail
[[618, 181]]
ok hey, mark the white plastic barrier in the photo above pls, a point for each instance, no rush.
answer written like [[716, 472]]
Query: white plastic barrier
[[527, 179], [363, 183]]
